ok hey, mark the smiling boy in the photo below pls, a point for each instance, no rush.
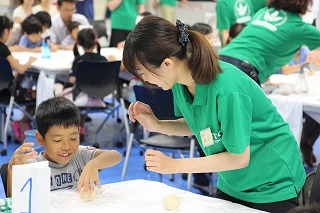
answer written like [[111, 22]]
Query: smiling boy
[[72, 165]]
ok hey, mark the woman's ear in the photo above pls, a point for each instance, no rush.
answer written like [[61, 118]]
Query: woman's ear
[[167, 62], [40, 139]]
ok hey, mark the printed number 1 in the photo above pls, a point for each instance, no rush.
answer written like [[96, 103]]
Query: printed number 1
[[29, 181]]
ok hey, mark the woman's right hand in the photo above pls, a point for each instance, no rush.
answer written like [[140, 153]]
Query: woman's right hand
[[22, 154], [32, 59], [143, 113]]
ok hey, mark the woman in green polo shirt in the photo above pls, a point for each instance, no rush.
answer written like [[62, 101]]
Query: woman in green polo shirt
[[243, 136], [271, 39]]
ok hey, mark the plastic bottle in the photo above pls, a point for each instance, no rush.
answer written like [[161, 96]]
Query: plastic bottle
[[302, 85], [45, 50]]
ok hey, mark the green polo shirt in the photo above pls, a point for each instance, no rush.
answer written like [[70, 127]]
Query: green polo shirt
[[271, 40], [171, 3], [230, 12], [124, 16], [258, 4], [239, 114]]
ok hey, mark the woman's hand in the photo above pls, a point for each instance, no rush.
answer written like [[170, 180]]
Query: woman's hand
[[156, 161], [22, 154], [143, 113], [88, 178]]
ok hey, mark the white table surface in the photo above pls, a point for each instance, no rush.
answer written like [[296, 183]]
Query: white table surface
[[140, 196], [60, 62]]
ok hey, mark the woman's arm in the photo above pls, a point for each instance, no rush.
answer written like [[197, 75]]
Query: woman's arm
[[287, 69], [114, 4], [156, 161]]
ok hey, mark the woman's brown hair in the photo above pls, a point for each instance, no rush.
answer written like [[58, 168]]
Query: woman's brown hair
[[155, 39], [294, 6]]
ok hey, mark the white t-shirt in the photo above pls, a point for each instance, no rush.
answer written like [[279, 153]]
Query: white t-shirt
[[19, 12], [52, 11]]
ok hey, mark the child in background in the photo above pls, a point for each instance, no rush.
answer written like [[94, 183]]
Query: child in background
[[69, 41], [204, 29], [234, 31], [31, 41], [58, 121], [22, 11]]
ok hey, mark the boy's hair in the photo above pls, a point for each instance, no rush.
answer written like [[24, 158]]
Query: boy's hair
[[202, 28], [87, 38], [57, 111], [235, 30], [72, 25], [31, 25], [44, 18], [5, 23], [69, 1]]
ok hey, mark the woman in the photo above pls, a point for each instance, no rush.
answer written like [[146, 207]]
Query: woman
[[237, 127]]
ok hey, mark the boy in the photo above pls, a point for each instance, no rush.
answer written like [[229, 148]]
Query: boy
[[32, 29], [69, 41], [58, 121]]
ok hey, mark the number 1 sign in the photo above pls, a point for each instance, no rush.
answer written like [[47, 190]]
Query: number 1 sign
[[31, 188]]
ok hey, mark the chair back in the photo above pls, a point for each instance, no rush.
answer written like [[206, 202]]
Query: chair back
[[6, 76], [100, 27], [315, 190], [4, 176], [98, 78], [160, 101]]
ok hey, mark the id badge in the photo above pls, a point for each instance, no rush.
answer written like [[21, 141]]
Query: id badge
[[206, 137]]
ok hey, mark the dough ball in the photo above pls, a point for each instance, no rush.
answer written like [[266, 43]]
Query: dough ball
[[171, 201], [87, 196]]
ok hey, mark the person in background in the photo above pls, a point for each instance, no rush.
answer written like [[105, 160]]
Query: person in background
[[271, 39], [85, 7], [123, 17], [204, 29], [17, 32], [168, 9], [47, 6], [58, 30], [31, 41], [230, 12], [69, 41], [237, 126], [5, 30], [58, 122], [234, 31], [22, 11]]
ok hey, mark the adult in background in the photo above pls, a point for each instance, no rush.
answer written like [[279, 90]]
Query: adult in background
[[230, 12], [85, 7], [67, 9], [123, 18]]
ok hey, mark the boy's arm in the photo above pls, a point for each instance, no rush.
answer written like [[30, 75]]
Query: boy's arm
[[20, 156], [102, 159]]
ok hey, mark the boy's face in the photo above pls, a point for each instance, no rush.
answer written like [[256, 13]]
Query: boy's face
[[34, 37], [60, 143], [209, 38], [74, 33]]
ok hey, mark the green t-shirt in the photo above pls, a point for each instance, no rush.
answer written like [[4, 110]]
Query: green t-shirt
[[230, 12], [171, 3], [124, 16], [258, 4], [271, 40], [239, 114]]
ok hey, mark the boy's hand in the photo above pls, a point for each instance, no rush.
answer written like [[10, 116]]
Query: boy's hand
[[32, 59], [88, 178], [22, 154]]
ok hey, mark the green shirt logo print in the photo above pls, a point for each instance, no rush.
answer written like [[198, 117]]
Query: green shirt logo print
[[271, 19], [242, 11]]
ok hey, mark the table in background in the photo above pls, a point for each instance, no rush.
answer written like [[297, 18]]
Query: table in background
[[139, 196], [291, 104]]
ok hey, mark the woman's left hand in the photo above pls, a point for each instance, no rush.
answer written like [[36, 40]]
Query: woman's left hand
[[89, 177], [156, 161]]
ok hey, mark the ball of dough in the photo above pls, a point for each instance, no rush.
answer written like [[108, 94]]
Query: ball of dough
[[87, 196], [171, 201]]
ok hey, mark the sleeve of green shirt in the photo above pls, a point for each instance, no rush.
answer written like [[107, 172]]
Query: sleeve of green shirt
[[311, 37], [141, 1], [223, 16], [235, 116]]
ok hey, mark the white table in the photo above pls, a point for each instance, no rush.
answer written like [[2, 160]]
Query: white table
[[291, 104], [139, 196], [60, 62]]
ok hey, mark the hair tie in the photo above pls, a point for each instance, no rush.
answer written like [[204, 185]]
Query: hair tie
[[96, 40], [77, 42], [183, 37]]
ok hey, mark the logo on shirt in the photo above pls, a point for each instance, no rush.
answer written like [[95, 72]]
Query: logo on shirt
[[271, 19], [242, 11]]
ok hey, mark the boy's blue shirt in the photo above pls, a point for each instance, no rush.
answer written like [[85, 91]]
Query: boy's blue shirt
[[25, 42]]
